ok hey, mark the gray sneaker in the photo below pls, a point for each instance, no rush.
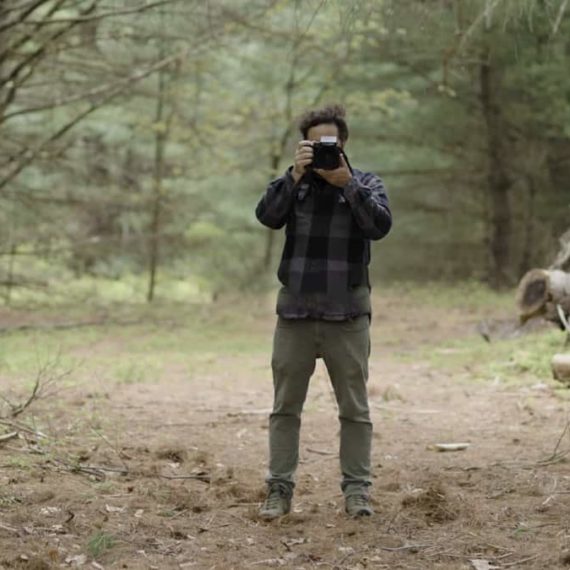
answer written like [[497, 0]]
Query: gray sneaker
[[358, 505], [277, 503]]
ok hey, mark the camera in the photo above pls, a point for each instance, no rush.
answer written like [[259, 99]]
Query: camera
[[326, 154]]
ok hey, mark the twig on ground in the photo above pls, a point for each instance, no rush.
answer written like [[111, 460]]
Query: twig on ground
[[208, 525], [19, 426], [556, 456], [405, 547], [321, 451], [392, 519], [241, 519], [8, 436], [47, 376], [264, 412], [114, 448], [120, 470], [203, 478], [516, 562], [96, 472], [9, 528]]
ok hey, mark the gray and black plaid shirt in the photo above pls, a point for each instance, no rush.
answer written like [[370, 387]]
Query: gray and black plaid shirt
[[324, 265]]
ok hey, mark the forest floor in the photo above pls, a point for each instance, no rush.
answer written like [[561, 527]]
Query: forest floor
[[148, 449]]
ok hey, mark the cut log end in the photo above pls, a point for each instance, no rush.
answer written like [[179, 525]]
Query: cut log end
[[561, 368], [540, 288], [533, 293]]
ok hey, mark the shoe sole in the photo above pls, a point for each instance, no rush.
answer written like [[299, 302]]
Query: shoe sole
[[268, 517], [363, 513]]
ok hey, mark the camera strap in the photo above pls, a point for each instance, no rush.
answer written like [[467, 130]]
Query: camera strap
[[347, 161]]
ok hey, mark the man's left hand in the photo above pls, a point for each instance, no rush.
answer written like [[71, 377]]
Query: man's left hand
[[339, 177]]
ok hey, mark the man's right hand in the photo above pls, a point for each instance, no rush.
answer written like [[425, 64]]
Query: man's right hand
[[303, 157]]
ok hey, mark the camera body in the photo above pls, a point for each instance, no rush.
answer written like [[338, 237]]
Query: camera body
[[326, 154]]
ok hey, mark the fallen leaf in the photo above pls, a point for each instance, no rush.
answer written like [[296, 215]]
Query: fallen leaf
[[7, 436]]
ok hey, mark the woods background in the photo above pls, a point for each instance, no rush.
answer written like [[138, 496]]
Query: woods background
[[137, 136]]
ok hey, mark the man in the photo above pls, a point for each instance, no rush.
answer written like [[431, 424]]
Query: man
[[323, 305]]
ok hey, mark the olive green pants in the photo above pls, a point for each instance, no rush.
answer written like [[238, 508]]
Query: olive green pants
[[345, 348]]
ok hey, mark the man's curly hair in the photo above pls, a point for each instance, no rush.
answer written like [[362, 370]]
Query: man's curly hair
[[331, 114]]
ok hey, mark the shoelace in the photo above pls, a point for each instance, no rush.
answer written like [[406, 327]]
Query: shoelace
[[359, 500], [275, 496]]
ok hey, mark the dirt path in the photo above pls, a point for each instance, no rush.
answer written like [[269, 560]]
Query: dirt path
[[492, 502]]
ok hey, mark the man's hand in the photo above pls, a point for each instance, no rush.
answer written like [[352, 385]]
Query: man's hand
[[339, 177], [303, 157]]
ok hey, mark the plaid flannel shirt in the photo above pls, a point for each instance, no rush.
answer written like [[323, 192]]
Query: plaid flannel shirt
[[328, 232]]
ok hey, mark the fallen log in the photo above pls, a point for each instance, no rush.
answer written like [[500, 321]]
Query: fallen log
[[540, 290], [561, 367]]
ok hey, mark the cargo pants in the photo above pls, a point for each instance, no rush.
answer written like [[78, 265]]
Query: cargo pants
[[344, 347]]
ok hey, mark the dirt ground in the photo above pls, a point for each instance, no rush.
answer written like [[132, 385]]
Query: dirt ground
[[168, 472]]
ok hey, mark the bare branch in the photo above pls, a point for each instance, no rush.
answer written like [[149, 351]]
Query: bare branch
[[21, 18], [48, 375], [30, 155], [42, 48], [22, 6], [26, 66], [483, 18], [102, 15], [561, 12], [85, 95], [28, 36]]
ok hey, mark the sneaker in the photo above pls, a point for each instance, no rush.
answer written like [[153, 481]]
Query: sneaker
[[277, 503], [358, 505]]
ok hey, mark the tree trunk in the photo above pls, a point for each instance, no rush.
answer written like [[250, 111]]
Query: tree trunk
[[497, 178], [10, 274], [157, 199], [160, 139], [270, 234], [528, 244]]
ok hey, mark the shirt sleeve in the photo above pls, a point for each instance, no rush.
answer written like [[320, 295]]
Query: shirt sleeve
[[274, 207], [369, 204]]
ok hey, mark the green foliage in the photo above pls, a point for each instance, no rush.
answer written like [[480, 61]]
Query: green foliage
[[522, 360], [99, 543], [408, 71]]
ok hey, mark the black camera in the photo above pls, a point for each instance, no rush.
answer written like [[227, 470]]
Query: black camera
[[326, 154]]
